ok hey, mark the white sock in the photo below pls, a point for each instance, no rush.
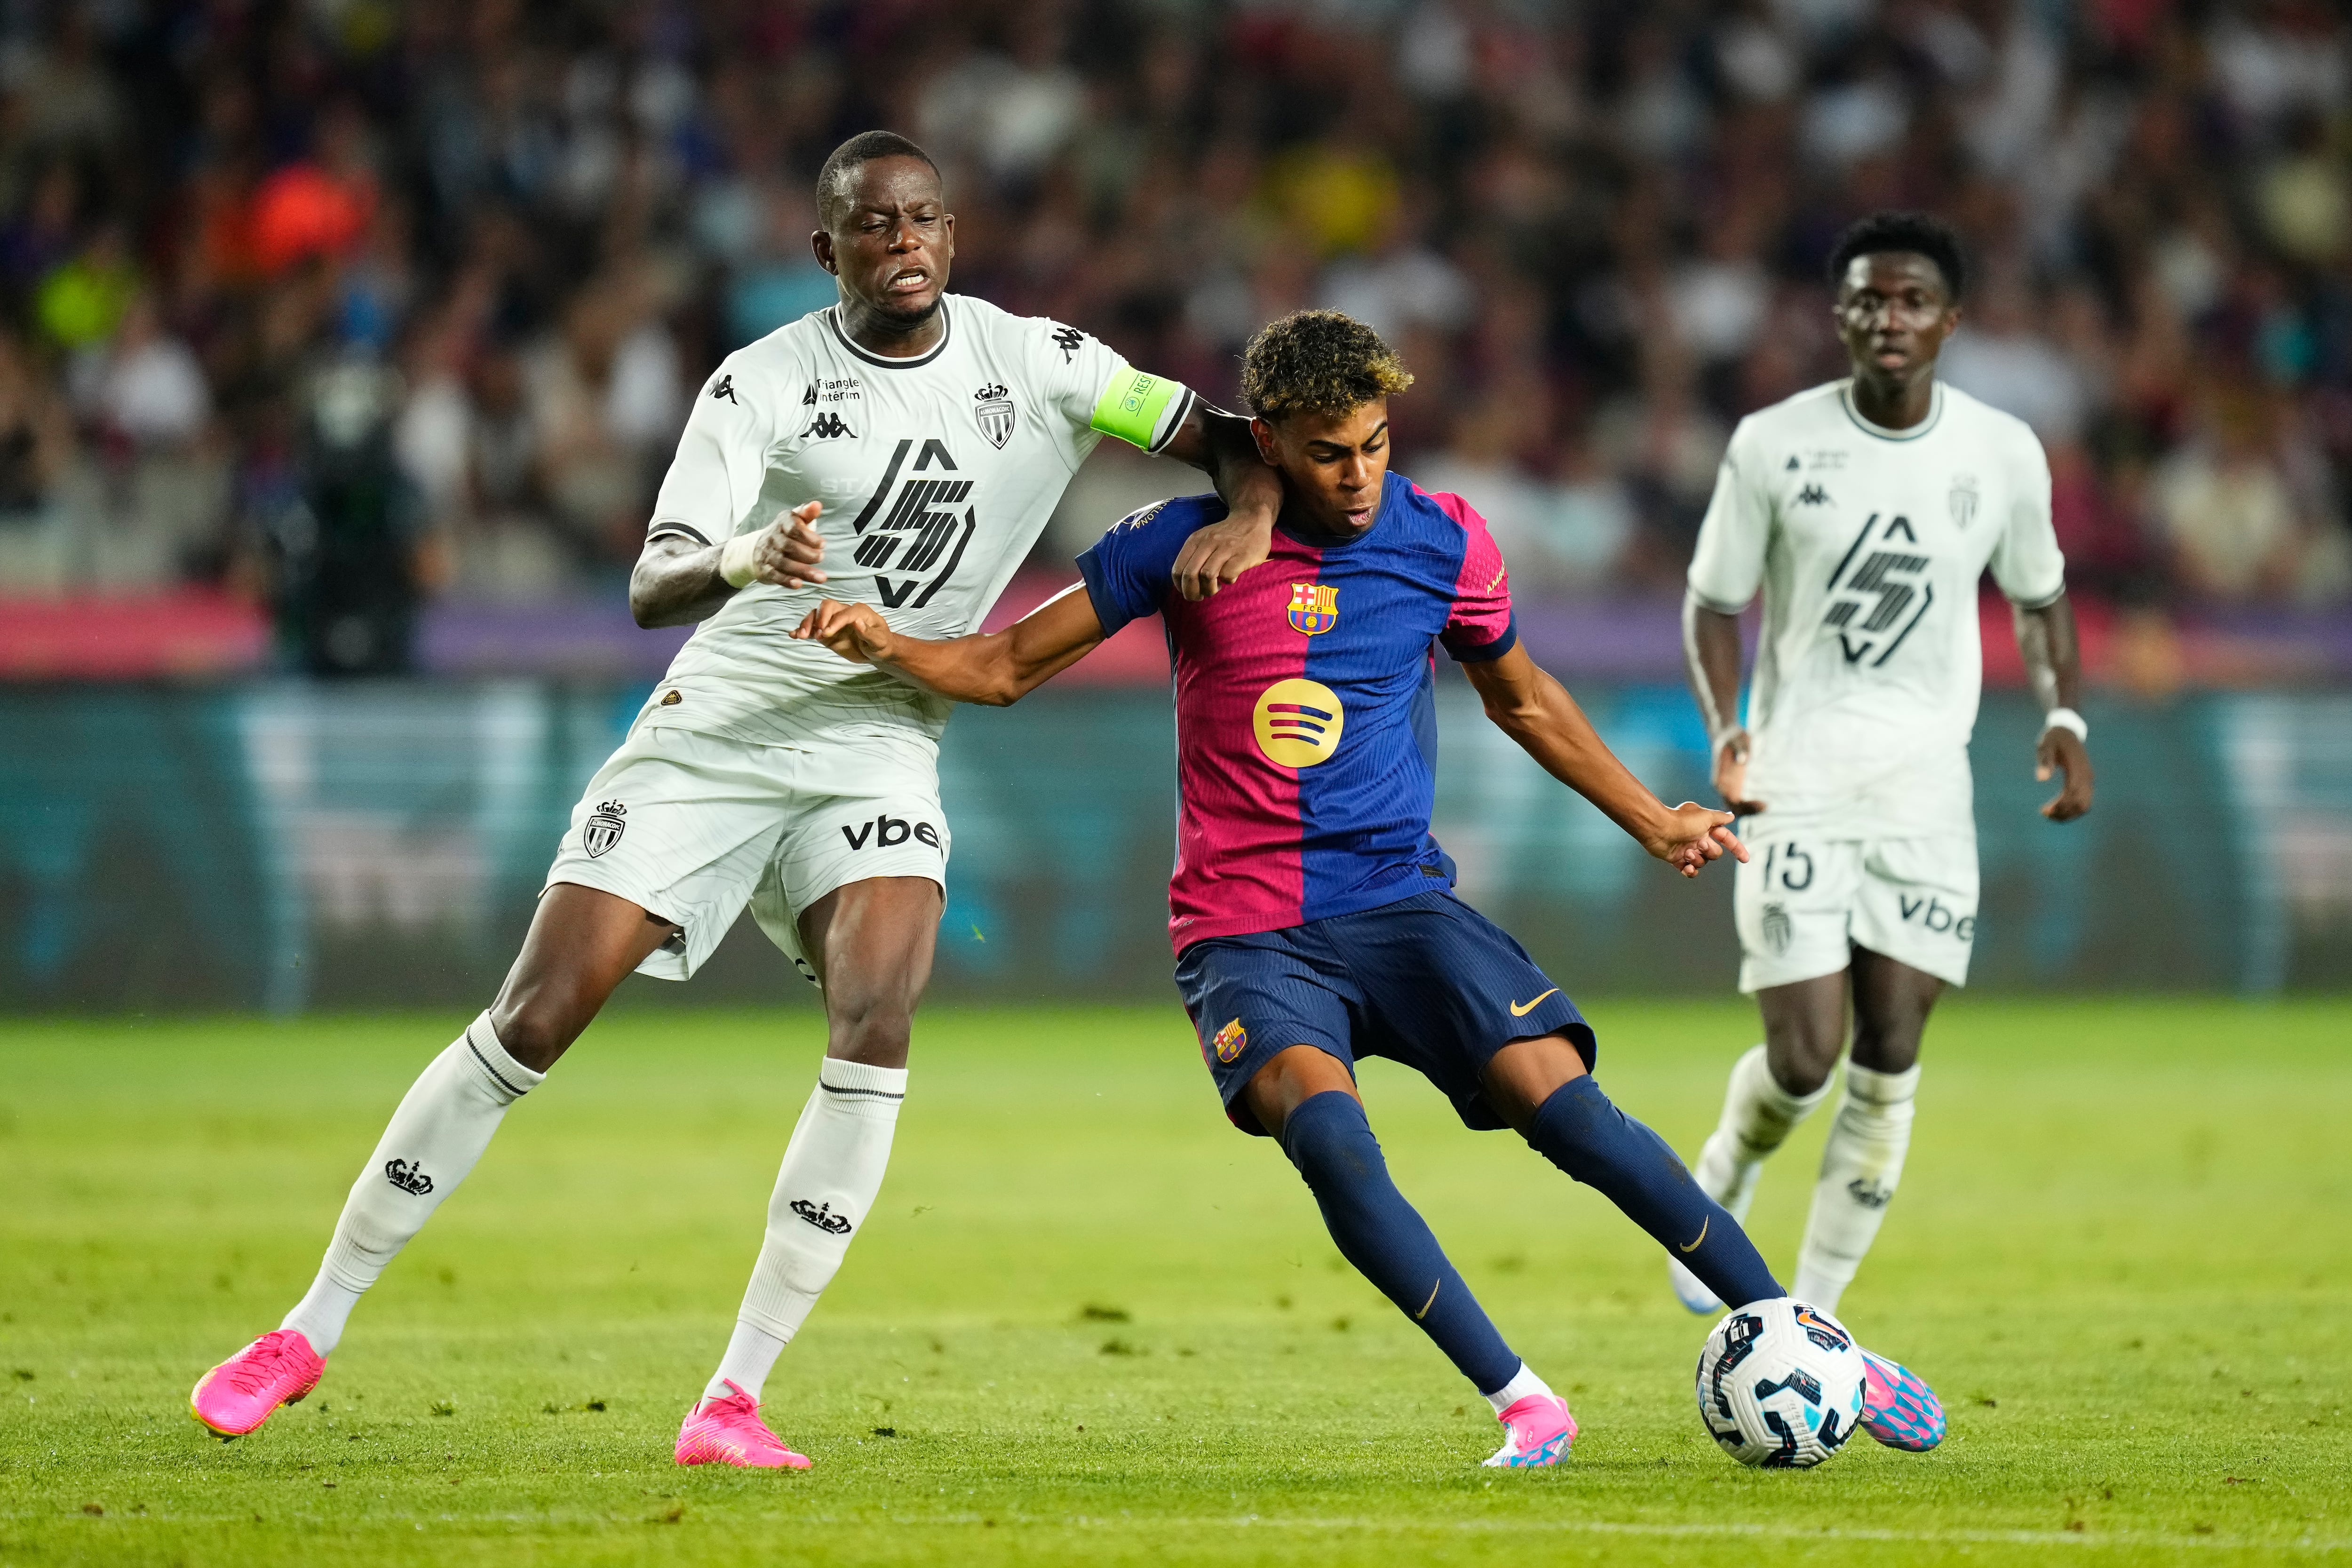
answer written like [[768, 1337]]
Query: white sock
[[825, 1189], [1861, 1166], [1757, 1117], [751, 1353], [1523, 1383], [440, 1130]]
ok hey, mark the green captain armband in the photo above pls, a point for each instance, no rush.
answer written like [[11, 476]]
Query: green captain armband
[[1130, 406]]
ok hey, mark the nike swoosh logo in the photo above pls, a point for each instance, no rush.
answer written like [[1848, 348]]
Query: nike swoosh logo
[[1700, 1236], [1425, 1305], [1521, 1009]]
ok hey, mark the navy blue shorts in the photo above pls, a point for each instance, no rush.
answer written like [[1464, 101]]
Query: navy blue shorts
[[1427, 981]]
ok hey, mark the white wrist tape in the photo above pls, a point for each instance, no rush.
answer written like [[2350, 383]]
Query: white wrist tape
[[735, 558], [2065, 719], [1715, 742]]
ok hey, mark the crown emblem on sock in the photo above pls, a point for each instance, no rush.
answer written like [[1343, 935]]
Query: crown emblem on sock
[[822, 1216], [410, 1179]]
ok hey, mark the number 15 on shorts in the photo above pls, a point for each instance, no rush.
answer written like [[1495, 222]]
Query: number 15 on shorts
[[1793, 865]]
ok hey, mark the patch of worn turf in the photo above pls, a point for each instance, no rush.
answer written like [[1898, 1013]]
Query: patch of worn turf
[[1093, 1324]]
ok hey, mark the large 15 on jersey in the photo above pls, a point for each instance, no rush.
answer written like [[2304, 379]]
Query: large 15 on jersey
[[936, 474], [1868, 544]]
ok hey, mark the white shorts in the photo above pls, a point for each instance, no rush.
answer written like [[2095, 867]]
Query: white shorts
[[1803, 903], [692, 828]]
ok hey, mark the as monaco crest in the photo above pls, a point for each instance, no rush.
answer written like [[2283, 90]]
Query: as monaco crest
[[994, 409], [1964, 500], [1314, 609], [604, 828]]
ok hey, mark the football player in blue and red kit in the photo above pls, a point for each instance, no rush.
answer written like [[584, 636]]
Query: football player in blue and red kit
[[1312, 913]]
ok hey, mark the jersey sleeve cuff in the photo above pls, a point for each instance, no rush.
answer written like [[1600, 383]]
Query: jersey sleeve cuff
[[1175, 422], [672, 526], [1109, 611], [1484, 652], [1706, 601], [2038, 601]]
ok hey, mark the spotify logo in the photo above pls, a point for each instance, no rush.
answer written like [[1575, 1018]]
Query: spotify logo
[[1298, 723]]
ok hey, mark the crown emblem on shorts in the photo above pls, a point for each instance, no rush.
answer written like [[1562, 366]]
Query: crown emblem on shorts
[[1314, 608], [408, 1178], [822, 1216], [604, 828]]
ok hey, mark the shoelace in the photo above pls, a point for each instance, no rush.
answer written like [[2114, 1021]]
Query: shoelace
[[259, 1367]]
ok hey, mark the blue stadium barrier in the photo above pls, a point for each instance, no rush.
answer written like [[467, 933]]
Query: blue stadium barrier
[[284, 847]]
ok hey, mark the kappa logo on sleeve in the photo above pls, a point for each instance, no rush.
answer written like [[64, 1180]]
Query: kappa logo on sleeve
[[1069, 340], [726, 389]]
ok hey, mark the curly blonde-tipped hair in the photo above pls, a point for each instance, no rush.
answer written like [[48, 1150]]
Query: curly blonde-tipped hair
[[1319, 362]]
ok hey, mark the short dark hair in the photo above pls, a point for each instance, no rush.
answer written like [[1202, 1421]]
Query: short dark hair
[[1319, 362], [1915, 232], [840, 171]]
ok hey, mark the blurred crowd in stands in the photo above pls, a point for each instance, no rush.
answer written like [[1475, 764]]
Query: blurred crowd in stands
[[345, 304]]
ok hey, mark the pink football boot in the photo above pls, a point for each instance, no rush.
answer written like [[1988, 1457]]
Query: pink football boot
[[1898, 1408], [236, 1396], [1538, 1430], [729, 1431]]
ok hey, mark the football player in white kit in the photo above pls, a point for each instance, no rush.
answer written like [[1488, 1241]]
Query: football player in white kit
[[914, 443], [1865, 512]]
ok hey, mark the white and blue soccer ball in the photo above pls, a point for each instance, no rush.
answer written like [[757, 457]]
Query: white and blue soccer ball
[[1780, 1384]]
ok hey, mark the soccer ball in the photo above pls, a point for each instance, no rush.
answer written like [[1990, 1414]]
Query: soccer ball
[[1780, 1384]]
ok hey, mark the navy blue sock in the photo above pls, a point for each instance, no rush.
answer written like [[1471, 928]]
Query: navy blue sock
[[1579, 1130], [1390, 1244]]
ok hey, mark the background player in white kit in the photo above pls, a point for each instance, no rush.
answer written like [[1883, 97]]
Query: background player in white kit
[[916, 444], [1865, 512]]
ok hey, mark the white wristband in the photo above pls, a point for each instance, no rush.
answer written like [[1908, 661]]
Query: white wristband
[[1715, 742], [2065, 719], [735, 558]]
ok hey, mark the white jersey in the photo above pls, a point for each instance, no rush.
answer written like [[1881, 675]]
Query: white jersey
[[1868, 544], [937, 474]]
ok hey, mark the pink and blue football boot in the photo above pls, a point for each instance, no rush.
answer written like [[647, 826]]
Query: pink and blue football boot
[[1537, 1431], [1898, 1408]]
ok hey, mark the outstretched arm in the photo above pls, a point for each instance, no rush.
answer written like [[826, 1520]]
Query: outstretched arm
[[1220, 445], [2053, 662], [998, 668], [1711, 660], [1537, 712], [679, 579]]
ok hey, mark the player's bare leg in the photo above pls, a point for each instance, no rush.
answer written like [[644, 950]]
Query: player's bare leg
[[581, 943], [1862, 1162], [871, 943]]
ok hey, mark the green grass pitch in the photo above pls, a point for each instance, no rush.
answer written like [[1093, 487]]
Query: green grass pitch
[[1093, 1324]]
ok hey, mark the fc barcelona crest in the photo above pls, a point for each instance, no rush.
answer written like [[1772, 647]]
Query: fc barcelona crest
[[604, 828], [1230, 1042], [1314, 608], [993, 408]]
